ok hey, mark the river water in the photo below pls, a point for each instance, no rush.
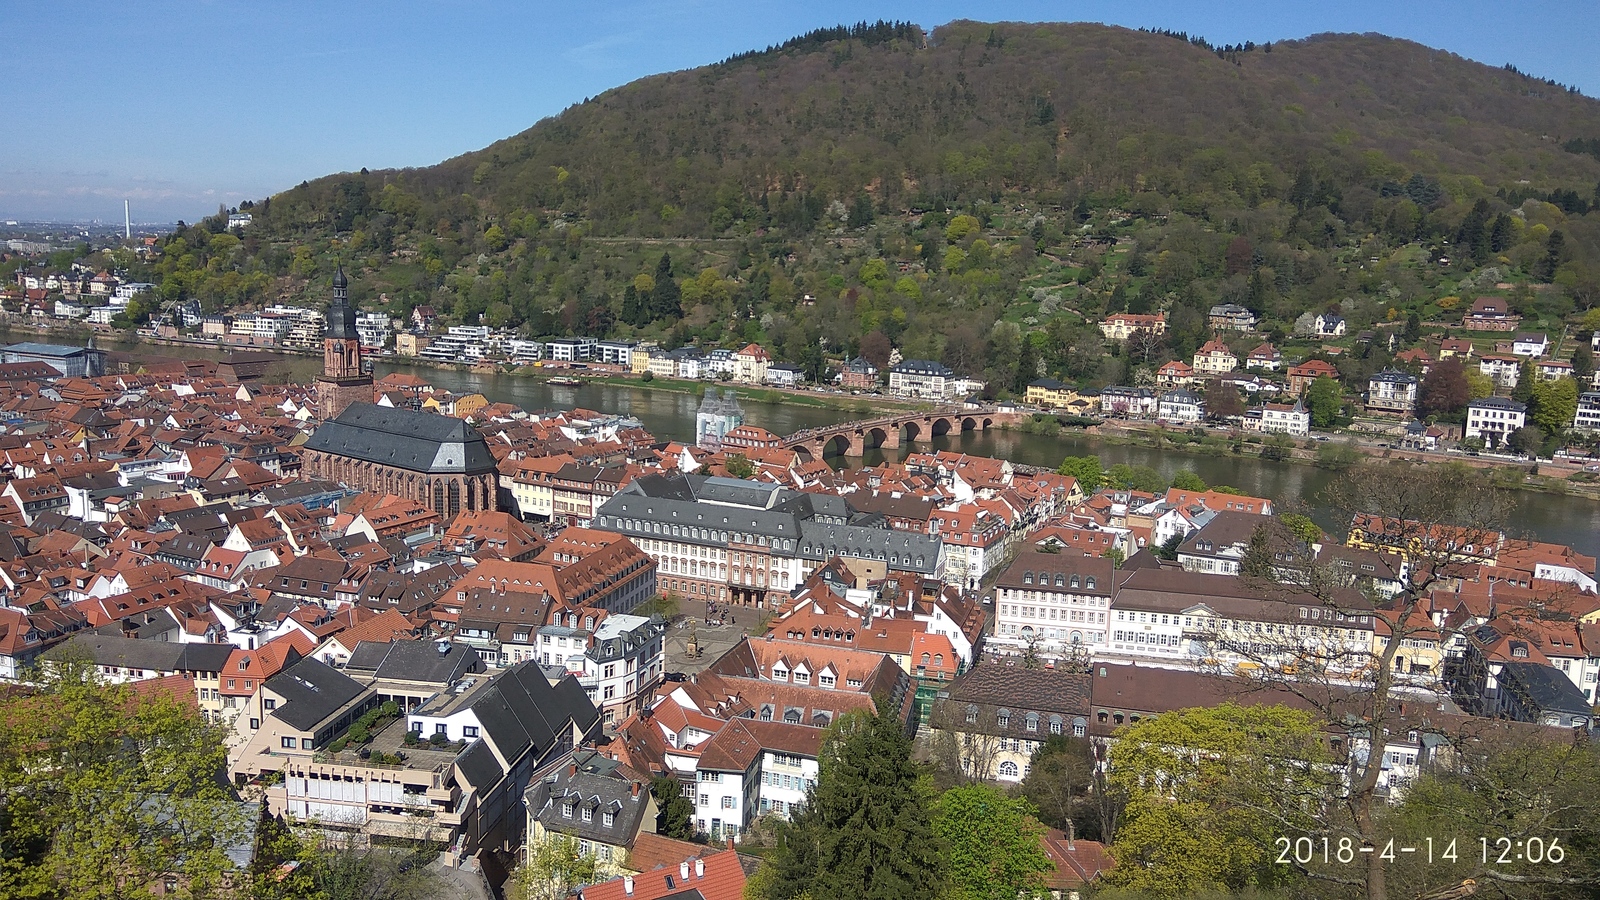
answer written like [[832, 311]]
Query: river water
[[1573, 521]]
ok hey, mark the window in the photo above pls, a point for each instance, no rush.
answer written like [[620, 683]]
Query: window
[[1005, 718], [566, 811], [609, 819], [1008, 769], [1055, 725], [288, 743], [1031, 722], [972, 715], [305, 743], [470, 731], [269, 704], [441, 728], [254, 724], [727, 803], [588, 814]]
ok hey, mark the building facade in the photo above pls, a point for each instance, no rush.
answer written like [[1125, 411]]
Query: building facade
[[437, 461]]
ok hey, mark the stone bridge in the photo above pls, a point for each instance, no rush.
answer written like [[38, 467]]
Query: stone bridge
[[891, 432]]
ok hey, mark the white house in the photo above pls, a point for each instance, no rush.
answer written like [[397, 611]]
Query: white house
[[1494, 419], [1180, 407], [1279, 418], [1328, 325], [922, 378], [1535, 345], [1588, 415]]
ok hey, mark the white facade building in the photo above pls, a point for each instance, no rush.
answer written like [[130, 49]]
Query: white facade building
[[1494, 419]]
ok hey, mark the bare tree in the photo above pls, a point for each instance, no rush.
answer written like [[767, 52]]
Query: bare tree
[[1441, 523], [1145, 343]]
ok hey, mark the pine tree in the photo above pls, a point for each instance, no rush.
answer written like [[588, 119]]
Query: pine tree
[[634, 310], [1583, 358], [1555, 247], [1523, 392], [1413, 331], [865, 831], [1503, 234], [1027, 367], [664, 299]]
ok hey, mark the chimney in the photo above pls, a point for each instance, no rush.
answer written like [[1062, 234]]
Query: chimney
[[572, 769], [700, 867], [627, 885], [683, 871], [1070, 836], [636, 788]]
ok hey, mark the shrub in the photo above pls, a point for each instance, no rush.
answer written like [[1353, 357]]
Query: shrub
[[338, 745], [438, 740]]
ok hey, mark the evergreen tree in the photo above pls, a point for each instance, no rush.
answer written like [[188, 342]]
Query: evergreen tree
[[1555, 249], [1473, 236], [1503, 234], [1583, 358], [634, 309], [1523, 392], [1413, 331], [865, 832], [1027, 367], [673, 809], [861, 213], [664, 297]]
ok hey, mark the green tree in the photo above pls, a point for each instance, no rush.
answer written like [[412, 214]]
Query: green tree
[[1583, 359], [1086, 469], [103, 790], [1185, 480], [865, 831], [861, 213], [739, 466], [555, 867], [664, 294], [1413, 329], [1324, 401], [1200, 815], [674, 812], [1136, 478], [1554, 404], [1527, 378], [960, 227], [1059, 779], [991, 843]]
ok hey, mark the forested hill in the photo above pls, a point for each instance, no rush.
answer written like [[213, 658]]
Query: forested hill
[[976, 111], [979, 195]]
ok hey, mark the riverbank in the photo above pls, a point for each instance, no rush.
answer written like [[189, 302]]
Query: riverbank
[[1334, 453]]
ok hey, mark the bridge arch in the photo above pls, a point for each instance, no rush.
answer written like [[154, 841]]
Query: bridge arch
[[836, 445], [914, 430], [876, 436], [940, 426], [969, 424]]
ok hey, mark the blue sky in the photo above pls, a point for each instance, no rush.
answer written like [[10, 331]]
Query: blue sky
[[180, 106]]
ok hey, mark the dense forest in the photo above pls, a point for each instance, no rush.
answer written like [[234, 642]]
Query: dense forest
[[980, 194]]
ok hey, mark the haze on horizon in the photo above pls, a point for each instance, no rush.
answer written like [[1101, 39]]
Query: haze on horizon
[[180, 109]]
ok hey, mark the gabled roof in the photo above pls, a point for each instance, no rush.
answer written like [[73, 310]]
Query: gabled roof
[[416, 441], [312, 690]]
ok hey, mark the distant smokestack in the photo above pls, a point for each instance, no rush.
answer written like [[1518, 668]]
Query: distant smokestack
[[127, 221]]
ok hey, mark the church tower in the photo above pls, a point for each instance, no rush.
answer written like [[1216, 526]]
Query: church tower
[[343, 381]]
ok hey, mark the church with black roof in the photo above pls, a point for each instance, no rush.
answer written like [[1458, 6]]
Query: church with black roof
[[438, 461]]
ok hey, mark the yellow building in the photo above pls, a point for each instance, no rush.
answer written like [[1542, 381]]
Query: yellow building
[[1051, 394], [469, 405], [639, 361], [408, 344]]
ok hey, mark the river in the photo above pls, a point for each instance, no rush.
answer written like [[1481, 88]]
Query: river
[[1573, 521]]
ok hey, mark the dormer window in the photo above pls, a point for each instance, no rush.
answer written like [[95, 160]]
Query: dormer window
[[1005, 718], [1027, 578]]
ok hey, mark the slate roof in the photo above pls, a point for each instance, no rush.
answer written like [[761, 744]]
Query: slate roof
[[596, 784], [311, 690], [417, 441], [415, 661]]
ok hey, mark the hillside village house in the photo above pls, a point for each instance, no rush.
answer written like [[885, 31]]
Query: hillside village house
[[1214, 358], [1181, 407], [1392, 392], [1301, 375], [922, 378], [1534, 345], [1587, 418], [1175, 373], [750, 364], [1493, 419], [1455, 347], [1128, 402], [1121, 326], [1490, 314], [1279, 418], [1505, 371], [1051, 394], [1265, 357], [1231, 317]]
